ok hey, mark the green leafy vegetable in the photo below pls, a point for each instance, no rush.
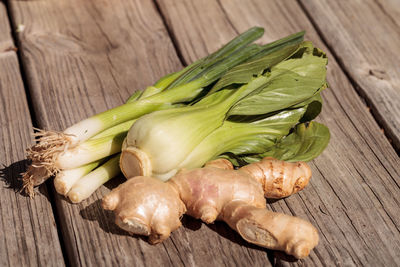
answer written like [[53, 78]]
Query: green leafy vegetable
[[268, 56], [248, 119]]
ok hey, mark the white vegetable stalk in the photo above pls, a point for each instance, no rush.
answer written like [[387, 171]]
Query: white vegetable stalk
[[123, 127], [243, 137], [85, 186], [65, 179], [90, 151]]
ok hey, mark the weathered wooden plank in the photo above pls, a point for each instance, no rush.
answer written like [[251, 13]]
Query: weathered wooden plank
[[354, 195], [28, 234], [391, 8], [82, 57], [366, 46]]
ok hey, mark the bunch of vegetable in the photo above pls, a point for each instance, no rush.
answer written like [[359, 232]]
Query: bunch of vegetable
[[247, 106], [86, 145], [244, 102]]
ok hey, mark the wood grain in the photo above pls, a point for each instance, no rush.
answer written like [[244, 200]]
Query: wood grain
[[83, 57], [28, 234], [366, 47], [354, 195]]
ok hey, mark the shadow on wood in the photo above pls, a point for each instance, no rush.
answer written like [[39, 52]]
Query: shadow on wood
[[281, 256], [114, 182], [191, 223], [272, 200], [11, 174], [225, 231], [105, 218]]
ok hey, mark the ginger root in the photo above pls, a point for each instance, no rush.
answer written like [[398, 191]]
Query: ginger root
[[272, 230], [279, 178], [147, 206]]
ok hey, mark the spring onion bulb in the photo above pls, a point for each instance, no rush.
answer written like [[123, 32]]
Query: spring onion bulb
[[65, 179], [86, 185]]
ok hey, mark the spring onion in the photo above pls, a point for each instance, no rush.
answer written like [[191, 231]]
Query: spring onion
[[86, 185], [65, 179]]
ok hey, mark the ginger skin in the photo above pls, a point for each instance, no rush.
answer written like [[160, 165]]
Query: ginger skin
[[279, 178], [272, 230], [147, 206], [206, 191]]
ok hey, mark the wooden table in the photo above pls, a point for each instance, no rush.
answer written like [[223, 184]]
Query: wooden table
[[64, 60]]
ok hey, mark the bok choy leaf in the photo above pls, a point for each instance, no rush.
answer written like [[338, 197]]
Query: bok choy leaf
[[305, 143]]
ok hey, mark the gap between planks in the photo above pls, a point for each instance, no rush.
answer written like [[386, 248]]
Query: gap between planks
[[171, 35]]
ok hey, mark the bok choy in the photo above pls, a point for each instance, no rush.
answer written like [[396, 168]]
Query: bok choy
[[243, 116]]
